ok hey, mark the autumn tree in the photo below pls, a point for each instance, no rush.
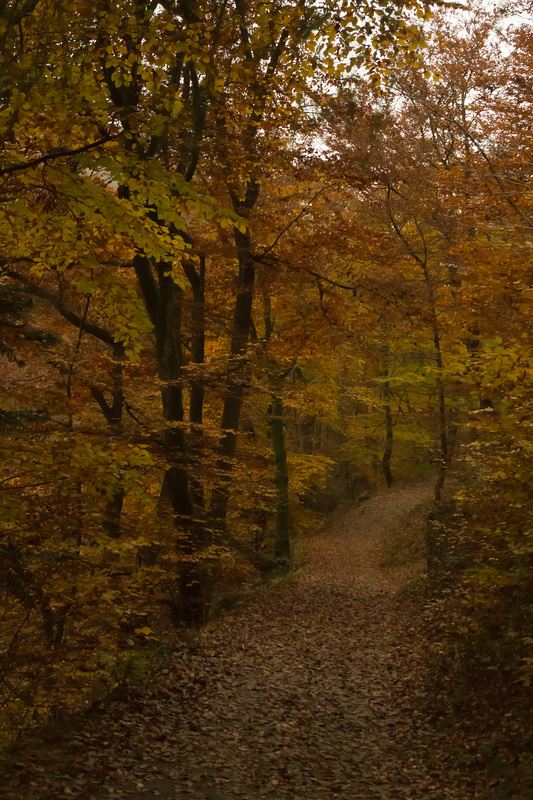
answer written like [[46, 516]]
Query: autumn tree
[[470, 132], [142, 148], [151, 97]]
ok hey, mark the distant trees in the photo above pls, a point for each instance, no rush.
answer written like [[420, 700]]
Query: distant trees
[[469, 193]]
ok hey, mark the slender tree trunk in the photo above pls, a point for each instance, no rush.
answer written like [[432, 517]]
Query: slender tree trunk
[[282, 546], [242, 320], [443, 428], [282, 543], [387, 396], [167, 332], [197, 392], [389, 434], [194, 586]]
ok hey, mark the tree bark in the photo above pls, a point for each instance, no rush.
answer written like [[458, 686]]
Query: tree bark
[[389, 434], [242, 320], [197, 391], [193, 582], [443, 427], [282, 545]]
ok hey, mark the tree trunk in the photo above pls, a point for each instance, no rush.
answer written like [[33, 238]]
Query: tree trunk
[[167, 332], [194, 585], [282, 546], [197, 392], [443, 428], [282, 543], [242, 320], [389, 434]]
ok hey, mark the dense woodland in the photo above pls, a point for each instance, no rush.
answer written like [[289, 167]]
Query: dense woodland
[[256, 259]]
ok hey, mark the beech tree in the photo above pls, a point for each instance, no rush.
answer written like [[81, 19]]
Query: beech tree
[[142, 146], [134, 101]]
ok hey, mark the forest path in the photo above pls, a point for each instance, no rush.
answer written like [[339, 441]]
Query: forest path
[[297, 696]]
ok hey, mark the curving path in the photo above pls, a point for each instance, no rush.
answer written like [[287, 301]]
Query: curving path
[[298, 696]]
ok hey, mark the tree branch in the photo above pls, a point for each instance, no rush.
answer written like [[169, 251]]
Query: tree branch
[[53, 155], [293, 221], [54, 299]]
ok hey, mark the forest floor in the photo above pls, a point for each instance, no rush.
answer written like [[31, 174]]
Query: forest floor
[[310, 692]]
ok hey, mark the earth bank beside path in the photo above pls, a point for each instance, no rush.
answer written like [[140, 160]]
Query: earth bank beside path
[[300, 695]]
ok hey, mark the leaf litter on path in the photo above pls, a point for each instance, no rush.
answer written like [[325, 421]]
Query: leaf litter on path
[[305, 694]]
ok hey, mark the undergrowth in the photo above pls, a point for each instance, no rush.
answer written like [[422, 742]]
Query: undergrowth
[[475, 596]]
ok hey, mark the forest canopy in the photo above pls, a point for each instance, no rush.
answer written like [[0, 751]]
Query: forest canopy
[[256, 258]]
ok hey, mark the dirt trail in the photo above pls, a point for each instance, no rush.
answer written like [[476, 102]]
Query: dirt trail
[[298, 696]]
